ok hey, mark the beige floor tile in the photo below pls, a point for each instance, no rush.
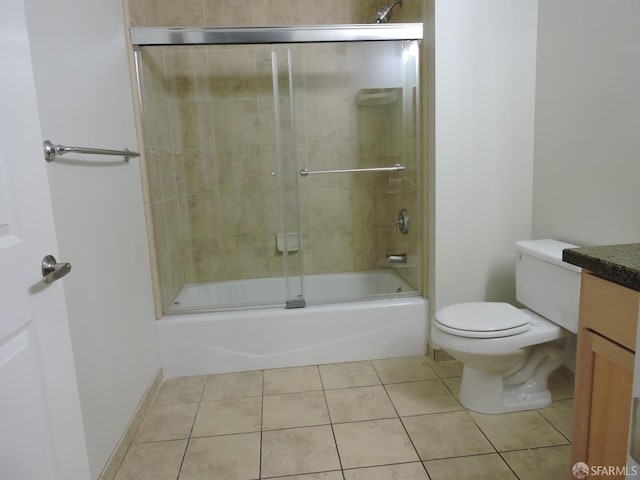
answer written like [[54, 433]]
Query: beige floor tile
[[337, 475], [515, 431], [374, 442], [443, 435], [298, 450], [232, 385], [448, 368], [232, 457], [560, 415], [540, 463], [361, 403], [238, 415], [180, 390], [403, 471], [479, 467], [453, 384], [167, 422], [419, 398], [294, 410], [291, 380], [559, 387], [153, 461], [344, 375], [404, 369]]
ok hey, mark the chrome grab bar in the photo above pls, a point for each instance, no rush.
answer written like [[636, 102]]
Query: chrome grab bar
[[396, 168], [51, 151]]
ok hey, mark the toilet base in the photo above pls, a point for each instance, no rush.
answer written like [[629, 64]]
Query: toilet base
[[526, 389]]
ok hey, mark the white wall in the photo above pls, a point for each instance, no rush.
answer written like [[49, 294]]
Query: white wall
[[84, 98], [587, 129], [484, 113]]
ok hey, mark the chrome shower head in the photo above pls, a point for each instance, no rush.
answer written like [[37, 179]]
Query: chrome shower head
[[384, 14]]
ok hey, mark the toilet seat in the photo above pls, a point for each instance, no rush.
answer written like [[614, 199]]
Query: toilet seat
[[482, 320]]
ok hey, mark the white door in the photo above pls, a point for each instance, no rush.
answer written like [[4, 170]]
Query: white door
[[41, 431]]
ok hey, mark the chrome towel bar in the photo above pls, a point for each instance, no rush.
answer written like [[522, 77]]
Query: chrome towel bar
[[51, 151], [396, 168]]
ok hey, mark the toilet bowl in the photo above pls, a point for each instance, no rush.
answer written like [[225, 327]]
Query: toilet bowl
[[505, 370], [508, 353]]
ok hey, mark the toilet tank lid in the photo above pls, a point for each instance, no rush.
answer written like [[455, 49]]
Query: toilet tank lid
[[548, 250]]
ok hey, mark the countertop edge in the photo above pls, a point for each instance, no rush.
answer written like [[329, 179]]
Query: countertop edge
[[602, 261]]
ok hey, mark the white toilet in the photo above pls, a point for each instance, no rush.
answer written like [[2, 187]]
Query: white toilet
[[509, 353]]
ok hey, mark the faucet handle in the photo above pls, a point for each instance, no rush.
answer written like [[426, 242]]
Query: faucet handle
[[402, 223]]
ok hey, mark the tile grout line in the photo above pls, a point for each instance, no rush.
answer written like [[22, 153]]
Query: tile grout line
[[499, 452], [333, 432], [466, 410], [508, 465], [384, 386], [491, 443], [186, 447], [556, 428], [435, 413]]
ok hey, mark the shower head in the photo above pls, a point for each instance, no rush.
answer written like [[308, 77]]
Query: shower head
[[384, 14]]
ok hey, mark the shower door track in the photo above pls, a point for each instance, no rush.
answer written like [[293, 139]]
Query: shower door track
[[141, 36]]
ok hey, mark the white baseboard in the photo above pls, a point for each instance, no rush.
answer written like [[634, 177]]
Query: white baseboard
[[113, 464]]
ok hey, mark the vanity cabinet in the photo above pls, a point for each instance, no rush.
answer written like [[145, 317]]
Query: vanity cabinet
[[604, 372]]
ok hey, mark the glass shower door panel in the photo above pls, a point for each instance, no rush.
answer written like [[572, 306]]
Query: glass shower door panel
[[209, 129], [356, 108], [289, 239]]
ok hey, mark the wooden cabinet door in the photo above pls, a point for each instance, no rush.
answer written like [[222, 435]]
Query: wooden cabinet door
[[604, 381]]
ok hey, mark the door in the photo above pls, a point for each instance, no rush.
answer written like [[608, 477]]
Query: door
[[40, 420], [285, 131]]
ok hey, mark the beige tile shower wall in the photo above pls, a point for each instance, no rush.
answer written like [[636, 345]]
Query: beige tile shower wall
[[225, 203], [213, 13], [411, 11]]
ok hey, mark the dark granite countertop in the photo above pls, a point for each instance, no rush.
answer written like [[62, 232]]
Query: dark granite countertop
[[617, 263]]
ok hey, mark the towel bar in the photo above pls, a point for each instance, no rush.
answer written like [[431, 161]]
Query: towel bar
[[51, 151]]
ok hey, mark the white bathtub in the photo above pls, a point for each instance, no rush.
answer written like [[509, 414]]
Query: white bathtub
[[274, 337]]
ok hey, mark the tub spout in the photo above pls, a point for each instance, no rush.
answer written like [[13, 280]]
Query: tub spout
[[397, 258]]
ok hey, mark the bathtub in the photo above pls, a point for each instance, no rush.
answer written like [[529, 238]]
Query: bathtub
[[275, 337]]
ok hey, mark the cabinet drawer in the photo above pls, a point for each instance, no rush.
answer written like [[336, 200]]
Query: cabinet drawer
[[609, 309]]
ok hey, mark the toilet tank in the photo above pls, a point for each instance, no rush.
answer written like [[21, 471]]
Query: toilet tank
[[546, 284]]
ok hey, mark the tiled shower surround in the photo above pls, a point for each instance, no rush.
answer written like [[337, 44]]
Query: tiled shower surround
[[209, 133]]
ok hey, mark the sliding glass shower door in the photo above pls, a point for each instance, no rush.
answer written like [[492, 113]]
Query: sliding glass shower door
[[355, 111], [278, 171]]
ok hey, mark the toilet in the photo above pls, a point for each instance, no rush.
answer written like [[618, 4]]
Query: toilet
[[509, 353]]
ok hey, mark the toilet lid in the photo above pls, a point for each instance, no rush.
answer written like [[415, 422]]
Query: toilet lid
[[482, 320]]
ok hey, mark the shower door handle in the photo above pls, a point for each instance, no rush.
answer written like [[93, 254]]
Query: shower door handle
[[52, 270]]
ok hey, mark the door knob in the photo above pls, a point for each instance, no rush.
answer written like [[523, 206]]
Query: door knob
[[52, 270]]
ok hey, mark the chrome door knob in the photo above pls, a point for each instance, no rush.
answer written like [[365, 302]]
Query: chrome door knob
[[52, 270]]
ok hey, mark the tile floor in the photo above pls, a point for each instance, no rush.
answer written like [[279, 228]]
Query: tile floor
[[392, 419]]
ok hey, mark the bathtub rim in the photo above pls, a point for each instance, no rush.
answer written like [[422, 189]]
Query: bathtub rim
[[281, 303]]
